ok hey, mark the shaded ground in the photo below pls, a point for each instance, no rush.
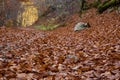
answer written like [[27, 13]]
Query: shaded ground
[[62, 54]]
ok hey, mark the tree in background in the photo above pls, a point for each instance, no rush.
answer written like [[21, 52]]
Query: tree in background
[[81, 3], [2, 12]]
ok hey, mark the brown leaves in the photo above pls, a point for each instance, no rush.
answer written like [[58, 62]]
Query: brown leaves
[[61, 54]]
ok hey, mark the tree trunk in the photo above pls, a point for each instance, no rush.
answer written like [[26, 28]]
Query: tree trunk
[[81, 4]]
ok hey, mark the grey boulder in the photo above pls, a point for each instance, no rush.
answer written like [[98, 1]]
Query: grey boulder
[[81, 26]]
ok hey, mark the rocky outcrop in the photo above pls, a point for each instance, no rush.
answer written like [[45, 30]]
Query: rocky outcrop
[[26, 12], [29, 15], [20, 13]]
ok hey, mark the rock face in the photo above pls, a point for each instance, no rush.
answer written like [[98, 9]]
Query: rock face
[[26, 12], [80, 26], [28, 16], [62, 6], [20, 13]]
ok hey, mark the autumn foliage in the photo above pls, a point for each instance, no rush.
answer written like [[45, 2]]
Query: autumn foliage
[[90, 54]]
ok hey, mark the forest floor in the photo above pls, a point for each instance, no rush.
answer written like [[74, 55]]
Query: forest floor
[[62, 54]]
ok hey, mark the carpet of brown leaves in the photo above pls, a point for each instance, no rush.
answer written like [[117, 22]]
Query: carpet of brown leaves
[[62, 54]]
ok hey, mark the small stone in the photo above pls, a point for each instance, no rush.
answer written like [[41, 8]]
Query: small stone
[[81, 26]]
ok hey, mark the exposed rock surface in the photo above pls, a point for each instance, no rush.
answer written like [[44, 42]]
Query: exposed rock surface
[[28, 16], [25, 13], [18, 13]]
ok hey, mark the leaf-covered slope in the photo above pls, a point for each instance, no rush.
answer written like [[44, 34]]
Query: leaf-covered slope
[[91, 54]]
